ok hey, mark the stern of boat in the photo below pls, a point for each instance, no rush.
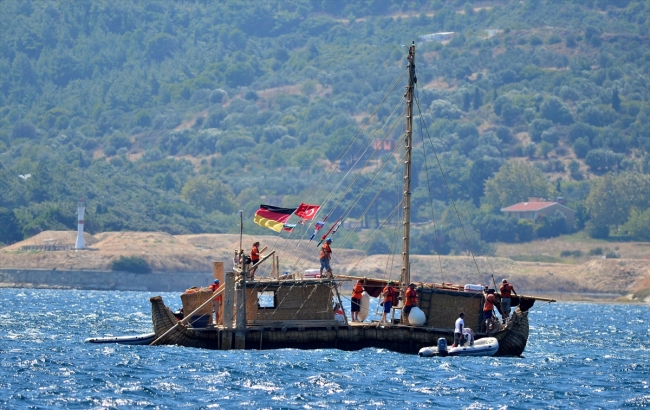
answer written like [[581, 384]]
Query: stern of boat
[[513, 339], [162, 317]]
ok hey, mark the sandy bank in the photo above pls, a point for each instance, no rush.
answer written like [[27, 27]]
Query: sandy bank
[[165, 253]]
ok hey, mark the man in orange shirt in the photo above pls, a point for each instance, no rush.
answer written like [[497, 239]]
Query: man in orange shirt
[[325, 256], [357, 291], [216, 303], [390, 299], [488, 307], [411, 300]]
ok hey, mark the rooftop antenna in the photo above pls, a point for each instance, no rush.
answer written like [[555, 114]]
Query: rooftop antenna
[[81, 207]]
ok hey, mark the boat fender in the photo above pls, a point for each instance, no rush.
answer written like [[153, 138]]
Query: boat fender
[[364, 307], [442, 347], [417, 317]]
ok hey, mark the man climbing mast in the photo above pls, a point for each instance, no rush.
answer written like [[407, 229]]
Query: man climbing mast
[[408, 138]]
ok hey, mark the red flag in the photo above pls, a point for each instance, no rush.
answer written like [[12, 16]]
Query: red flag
[[306, 211]]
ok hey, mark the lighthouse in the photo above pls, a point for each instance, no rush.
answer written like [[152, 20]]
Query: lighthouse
[[81, 207]]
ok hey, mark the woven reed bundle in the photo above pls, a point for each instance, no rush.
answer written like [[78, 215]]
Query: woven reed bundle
[[193, 300]]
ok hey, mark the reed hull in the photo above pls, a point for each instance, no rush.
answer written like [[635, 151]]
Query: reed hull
[[398, 338]]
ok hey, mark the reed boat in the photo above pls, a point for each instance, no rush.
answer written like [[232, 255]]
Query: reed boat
[[296, 311], [303, 318]]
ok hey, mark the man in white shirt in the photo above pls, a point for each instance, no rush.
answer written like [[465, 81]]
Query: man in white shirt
[[459, 339]]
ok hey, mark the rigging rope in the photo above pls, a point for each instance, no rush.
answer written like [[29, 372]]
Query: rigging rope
[[451, 198]]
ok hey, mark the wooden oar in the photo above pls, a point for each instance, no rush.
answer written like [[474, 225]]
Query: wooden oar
[[186, 318], [537, 298]]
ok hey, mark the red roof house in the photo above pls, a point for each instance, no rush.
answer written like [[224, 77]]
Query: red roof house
[[539, 206]]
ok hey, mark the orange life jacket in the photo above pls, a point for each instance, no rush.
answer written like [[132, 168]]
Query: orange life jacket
[[357, 291], [255, 254], [505, 290], [490, 300], [213, 288], [411, 297], [325, 251], [388, 294]]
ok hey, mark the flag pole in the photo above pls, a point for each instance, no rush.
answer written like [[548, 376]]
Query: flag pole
[[241, 233]]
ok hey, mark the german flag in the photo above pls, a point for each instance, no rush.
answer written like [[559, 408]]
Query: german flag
[[273, 217]]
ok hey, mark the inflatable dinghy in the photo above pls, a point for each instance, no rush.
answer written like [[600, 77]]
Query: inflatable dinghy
[[124, 340], [486, 346]]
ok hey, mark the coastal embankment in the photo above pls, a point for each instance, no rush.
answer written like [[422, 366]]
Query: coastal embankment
[[182, 261]]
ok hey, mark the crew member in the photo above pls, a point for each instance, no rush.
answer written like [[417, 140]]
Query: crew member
[[255, 257], [325, 256], [488, 307], [389, 299], [459, 327], [411, 300], [216, 303], [357, 291], [506, 291]]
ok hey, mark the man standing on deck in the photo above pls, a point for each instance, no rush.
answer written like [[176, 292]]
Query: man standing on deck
[[488, 307], [355, 307], [506, 290], [325, 256], [216, 303], [389, 299], [411, 300], [255, 257]]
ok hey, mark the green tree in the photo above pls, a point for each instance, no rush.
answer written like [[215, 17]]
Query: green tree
[[553, 109], [515, 182], [616, 100], [476, 103], [613, 197], [209, 194], [134, 264], [11, 229], [638, 224], [466, 101]]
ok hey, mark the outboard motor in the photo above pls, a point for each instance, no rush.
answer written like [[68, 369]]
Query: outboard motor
[[442, 347]]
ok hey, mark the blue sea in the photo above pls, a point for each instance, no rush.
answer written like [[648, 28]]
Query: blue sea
[[579, 355]]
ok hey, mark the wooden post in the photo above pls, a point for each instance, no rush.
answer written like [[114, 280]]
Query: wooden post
[[240, 326], [218, 271], [274, 272], [228, 311], [241, 301], [229, 300]]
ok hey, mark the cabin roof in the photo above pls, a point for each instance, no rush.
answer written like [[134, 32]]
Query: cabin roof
[[531, 206]]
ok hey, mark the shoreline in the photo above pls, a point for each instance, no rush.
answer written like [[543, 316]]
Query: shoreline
[[178, 282]]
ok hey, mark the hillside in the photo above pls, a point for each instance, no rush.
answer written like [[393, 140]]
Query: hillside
[[172, 116], [595, 278]]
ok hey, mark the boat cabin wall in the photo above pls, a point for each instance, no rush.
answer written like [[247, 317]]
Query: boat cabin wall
[[443, 307], [293, 302], [194, 299]]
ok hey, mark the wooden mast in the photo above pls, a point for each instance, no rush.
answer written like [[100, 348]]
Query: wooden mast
[[408, 138]]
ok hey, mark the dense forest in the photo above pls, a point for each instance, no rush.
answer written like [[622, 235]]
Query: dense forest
[[173, 115]]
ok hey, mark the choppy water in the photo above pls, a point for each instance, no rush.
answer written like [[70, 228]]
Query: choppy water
[[579, 355]]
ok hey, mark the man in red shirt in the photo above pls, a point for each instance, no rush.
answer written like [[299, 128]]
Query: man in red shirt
[[506, 291], [255, 257], [357, 293], [325, 256]]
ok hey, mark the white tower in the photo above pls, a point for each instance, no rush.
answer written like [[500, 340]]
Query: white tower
[[81, 207]]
